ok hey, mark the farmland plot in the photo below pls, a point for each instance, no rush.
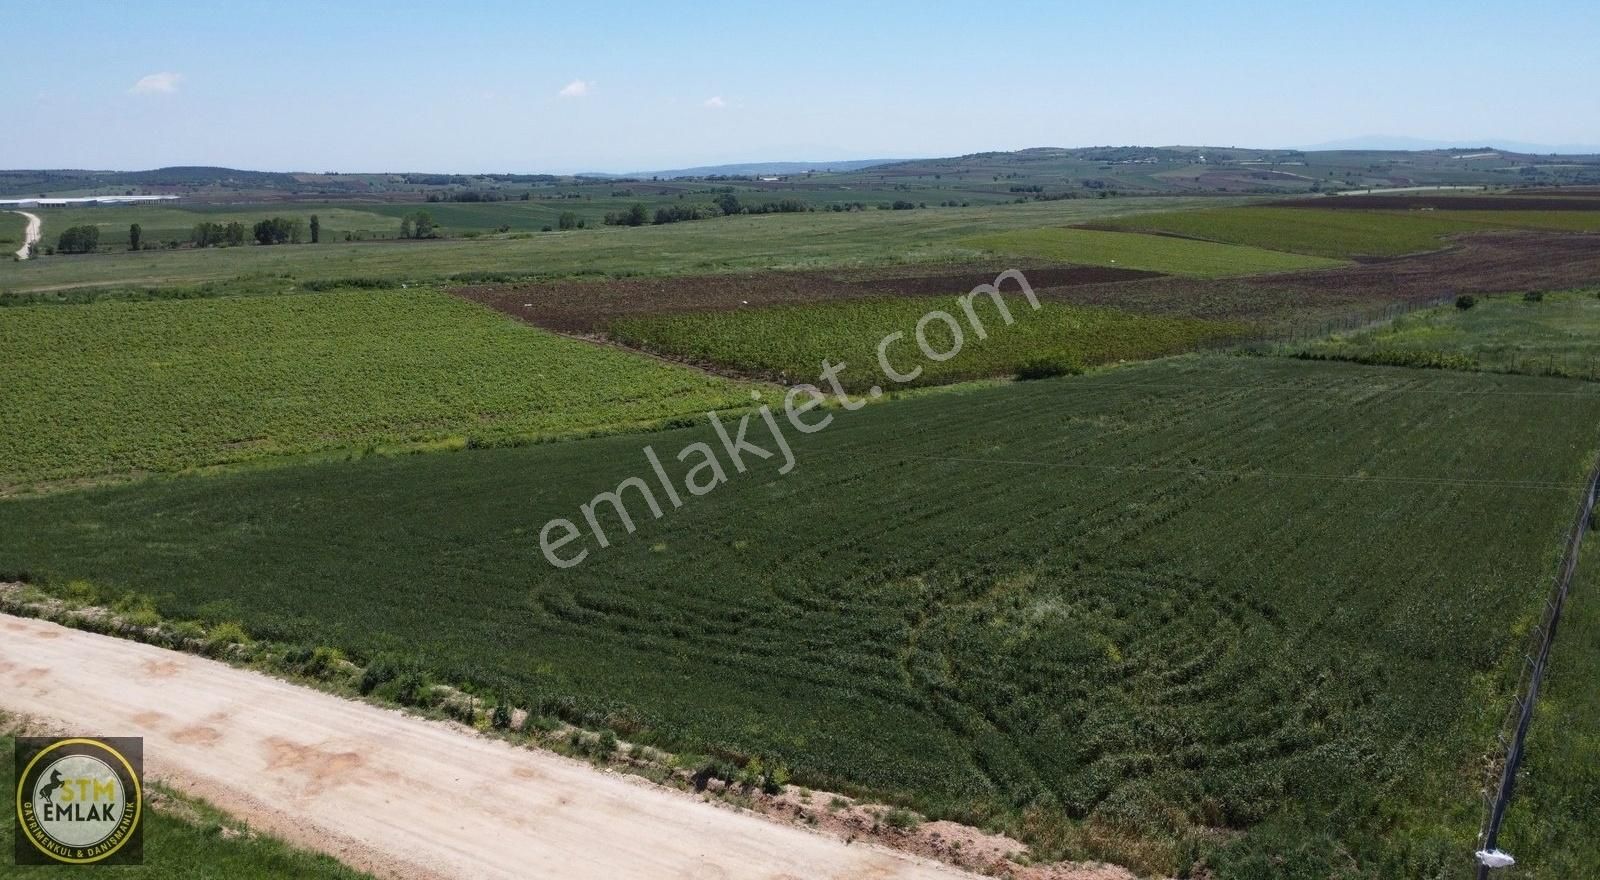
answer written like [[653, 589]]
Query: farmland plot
[[1349, 233], [1201, 609], [1553, 334], [793, 341], [157, 386], [1202, 259]]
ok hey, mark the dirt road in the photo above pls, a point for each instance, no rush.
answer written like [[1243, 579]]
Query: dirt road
[[396, 795], [31, 235]]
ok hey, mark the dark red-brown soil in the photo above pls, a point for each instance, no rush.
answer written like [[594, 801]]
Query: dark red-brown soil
[[1448, 203], [1495, 262], [589, 306]]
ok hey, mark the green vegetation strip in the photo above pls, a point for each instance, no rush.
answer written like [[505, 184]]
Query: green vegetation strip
[[1174, 256], [157, 386], [1550, 824], [1549, 334], [792, 341], [1342, 233], [774, 241], [1199, 609], [13, 228], [184, 839]]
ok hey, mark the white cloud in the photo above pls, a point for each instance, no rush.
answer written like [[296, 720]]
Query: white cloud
[[575, 89], [164, 83], [715, 102]]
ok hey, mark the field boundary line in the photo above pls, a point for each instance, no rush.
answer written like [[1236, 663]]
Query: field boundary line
[[1498, 795], [1466, 482]]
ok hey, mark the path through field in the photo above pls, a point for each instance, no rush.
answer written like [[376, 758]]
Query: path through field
[[397, 795], [31, 235]]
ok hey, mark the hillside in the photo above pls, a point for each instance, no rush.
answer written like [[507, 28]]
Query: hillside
[[1054, 170]]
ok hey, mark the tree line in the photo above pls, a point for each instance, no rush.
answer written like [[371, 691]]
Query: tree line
[[723, 205], [274, 230]]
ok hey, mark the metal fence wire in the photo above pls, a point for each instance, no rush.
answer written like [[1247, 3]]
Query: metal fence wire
[[1501, 774]]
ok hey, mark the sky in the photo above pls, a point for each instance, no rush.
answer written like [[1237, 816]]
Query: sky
[[600, 86]]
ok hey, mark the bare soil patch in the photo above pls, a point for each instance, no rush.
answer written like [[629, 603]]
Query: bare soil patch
[[1493, 262]]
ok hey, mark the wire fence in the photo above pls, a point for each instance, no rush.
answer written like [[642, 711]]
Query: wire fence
[[1501, 774]]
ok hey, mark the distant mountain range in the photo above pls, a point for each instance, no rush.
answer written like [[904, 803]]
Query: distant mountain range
[[1036, 172], [752, 169], [1397, 142]]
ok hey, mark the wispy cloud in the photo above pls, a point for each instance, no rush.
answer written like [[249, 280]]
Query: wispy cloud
[[715, 102], [164, 83], [576, 89]]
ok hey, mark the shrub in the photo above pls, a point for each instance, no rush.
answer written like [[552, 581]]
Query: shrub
[[461, 710], [382, 669], [1533, 296], [904, 820], [187, 631], [500, 717], [1466, 301], [321, 284], [224, 636], [1047, 367], [533, 722], [81, 592], [322, 661]]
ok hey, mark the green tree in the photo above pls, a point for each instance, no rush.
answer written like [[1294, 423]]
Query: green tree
[[135, 234], [316, 229], [567, 220], [637, 216], [79, 240], [418, 225], [279, 230]]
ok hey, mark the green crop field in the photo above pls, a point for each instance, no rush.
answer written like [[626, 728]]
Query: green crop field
[[1551, 827], [773, 241], [1347, 233], [12, 228], [153, 386], [791, 342], [163, 222], [1556, 334], [1205, 608], [1154, 253], [1561, 221], [1329, 233]]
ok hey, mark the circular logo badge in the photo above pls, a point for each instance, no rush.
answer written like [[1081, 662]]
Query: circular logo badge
[[78, 800]]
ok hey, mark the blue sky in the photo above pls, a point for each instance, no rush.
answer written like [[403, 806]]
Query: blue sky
[[489, 86]]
